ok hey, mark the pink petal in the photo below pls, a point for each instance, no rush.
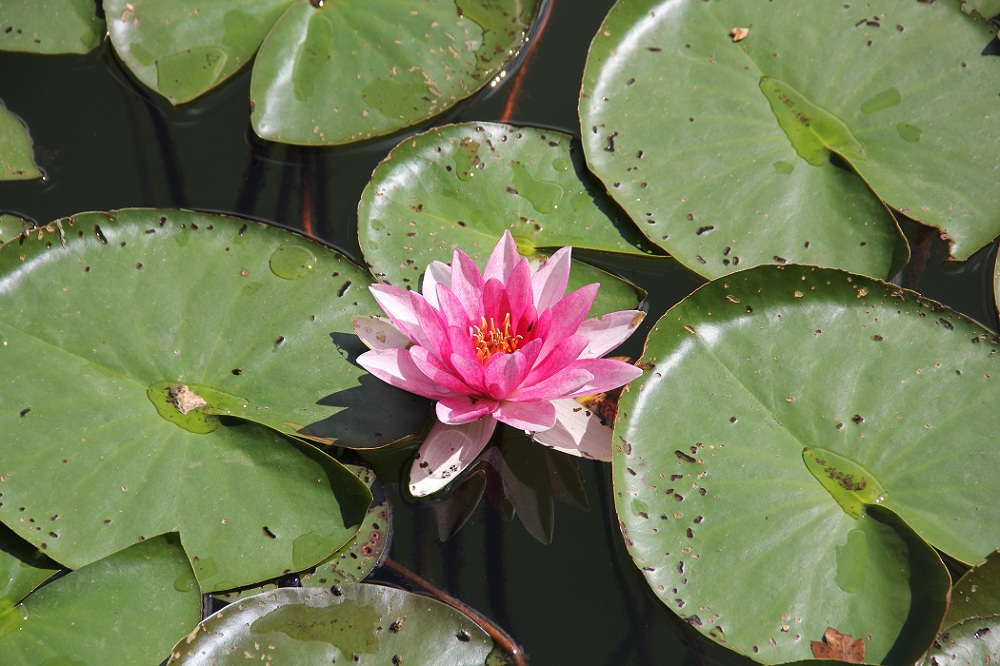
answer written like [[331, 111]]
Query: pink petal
[[400, 305], [504, 373], [577, 431], [560, 357], [608, 374], [495, 303], [433, 334], [549, 282], [377, 332], [607, 332], [467, 284], [560, 385], [447, 451], [566, 317], [528, 416], [438, 372], [503, 259], [396, 367], [464, 409], [437, 273], [522, 304], [451, 309]]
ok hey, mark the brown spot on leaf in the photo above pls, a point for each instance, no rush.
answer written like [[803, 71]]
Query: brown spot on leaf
[[836, 645]]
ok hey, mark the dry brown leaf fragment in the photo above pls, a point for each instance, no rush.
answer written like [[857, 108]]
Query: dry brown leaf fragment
[[739, 34], [836, 645]]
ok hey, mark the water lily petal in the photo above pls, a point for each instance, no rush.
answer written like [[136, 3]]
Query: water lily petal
[[452, 310], [504, 373], [529, 416], [440, 373], [437, 273], [398, 304], [565, 317], [396, 367], [378, 332], [503, 259], [608, 374], [549, 282], [433, 333], [447, 451], [578, 431], [522, 302], [607, 332], [467, 284], [557, 359], [563, 384], [464, 409]]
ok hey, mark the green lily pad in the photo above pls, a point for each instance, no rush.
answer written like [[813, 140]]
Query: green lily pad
[[12, 226], [366, 623], [138, 317], [977, 593], [17, 161], [182, 50], [22, 568], [50, 26], [355, 559], [772, 467], [757, 141], [338, 72], [128, 608], [464, 185]]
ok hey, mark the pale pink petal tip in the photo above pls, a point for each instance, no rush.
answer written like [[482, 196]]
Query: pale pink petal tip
[[446, 453], [378, 332], [578, 431]]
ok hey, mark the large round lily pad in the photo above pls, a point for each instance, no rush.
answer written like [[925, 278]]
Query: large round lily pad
[[757, 135], [353, 623], [800, 435], [17, 159], [464, 185], [112, 325]]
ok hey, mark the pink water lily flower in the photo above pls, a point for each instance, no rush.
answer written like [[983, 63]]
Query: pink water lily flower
[[502, 345]]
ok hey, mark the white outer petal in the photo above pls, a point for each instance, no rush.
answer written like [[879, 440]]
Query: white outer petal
[[577, 431], [437, 272], [377, 332], [607, 332], [447, 452]]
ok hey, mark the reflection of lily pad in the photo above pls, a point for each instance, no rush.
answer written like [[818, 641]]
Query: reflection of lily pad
[[464, 185], [780, 402], [126, 609], [326, 72], [356, 623], [755, 140], [138, 317]]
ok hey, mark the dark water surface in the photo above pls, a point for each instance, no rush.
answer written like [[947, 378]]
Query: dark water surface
[[104, 142]]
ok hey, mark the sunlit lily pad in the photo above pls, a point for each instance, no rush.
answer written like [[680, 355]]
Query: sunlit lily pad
[[789, 415], [17, 159], [50, 26], [107, 339], [126, 609], [12, 226], [464, 185], [744, 148], [357, 623]]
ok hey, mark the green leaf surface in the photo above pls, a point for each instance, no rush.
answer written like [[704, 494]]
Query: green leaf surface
[[970, 643], [22, 568], [181, 49], [753, 374], [363, 623], [464, 185], [50, 26], [355, 559], [345, 71], [128, 608], [17, 160], [12, 226], [756, 141], [99, 333], [977, 593]]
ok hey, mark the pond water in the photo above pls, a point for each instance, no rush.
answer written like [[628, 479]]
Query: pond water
[[104, 142]]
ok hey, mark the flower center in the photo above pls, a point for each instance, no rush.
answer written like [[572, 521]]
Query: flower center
[[489, 339]]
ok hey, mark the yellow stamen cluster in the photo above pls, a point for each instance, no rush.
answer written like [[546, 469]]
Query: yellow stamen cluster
[[488, 339]]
